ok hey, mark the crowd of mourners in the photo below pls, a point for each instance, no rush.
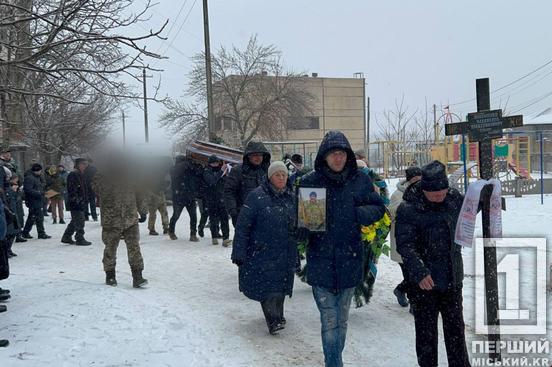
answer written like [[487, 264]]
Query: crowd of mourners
[[259, 197]]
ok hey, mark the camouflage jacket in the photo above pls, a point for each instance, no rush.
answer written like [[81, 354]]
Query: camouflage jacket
[[120, 201]]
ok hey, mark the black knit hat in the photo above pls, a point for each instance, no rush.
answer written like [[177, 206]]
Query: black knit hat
[[412, 172], [297, 159], [213, 159], [434, 177], [36, 167]]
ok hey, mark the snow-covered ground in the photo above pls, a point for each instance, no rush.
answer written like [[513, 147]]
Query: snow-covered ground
[[192, 314]]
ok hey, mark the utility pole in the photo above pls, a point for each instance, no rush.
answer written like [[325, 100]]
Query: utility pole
[[435, 125], [209, 80], [124, 130], [145, 105], [367, 152]]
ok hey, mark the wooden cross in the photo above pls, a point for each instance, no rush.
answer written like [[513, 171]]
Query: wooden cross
[[483, 126]]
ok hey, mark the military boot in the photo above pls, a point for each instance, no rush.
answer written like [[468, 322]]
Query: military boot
[[153, 232], [110, 278], [214, 241], [137, 280], [165, 230], [193, 238], [172, 236], [227, 243]]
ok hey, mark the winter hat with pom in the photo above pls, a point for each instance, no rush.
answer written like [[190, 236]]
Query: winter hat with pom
[[434, 177], [276, 166]]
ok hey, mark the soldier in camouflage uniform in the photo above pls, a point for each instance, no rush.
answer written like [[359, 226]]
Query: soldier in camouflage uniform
[[314, 213], [121, 201], [157, 202]]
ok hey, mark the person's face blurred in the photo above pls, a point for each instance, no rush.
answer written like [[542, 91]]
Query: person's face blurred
[[215, 164], [256, 159], [313, 199], [279, 180], [415, 179], [336, 160], [61, 169], [6, 156], [299, 165], [436, 196]]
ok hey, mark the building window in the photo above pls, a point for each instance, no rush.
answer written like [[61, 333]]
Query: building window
[[307, 123]]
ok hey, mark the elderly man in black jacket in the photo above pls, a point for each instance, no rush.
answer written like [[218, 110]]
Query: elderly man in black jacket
[[34, 198], [77, 203], [245, 177], [425, 226]]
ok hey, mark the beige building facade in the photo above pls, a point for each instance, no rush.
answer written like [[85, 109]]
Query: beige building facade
[[338, 104]]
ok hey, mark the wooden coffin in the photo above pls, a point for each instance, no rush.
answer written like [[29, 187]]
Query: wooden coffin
[[200, 151]]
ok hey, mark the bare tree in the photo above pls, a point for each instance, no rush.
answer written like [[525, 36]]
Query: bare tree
[[86, 41], [58, 128], [254, 95], [396, 130]]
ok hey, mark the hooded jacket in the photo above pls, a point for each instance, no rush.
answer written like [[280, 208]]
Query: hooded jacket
[[335, 257], [244, 178], [425, 238]]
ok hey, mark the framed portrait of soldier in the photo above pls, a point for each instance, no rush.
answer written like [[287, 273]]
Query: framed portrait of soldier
[[311, 208]]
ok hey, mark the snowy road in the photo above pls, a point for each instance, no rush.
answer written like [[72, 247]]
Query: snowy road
[[192, 314]]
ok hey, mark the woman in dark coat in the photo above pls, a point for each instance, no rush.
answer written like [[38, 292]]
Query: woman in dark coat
[[265, 249]]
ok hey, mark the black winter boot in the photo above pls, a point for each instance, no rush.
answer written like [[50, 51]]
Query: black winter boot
[[20, 239], [61, 221], [137, 280], [44, 236], [4, 343], [68, 240], [82, 242], [110, 278]]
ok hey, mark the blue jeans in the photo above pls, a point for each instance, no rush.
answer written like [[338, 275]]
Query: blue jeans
[[334, 313]]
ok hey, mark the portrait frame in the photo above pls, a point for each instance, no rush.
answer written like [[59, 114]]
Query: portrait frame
[[311, 208]]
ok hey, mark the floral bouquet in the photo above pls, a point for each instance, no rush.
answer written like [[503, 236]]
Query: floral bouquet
[[375, 243]]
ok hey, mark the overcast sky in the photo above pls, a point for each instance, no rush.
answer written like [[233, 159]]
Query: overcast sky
[[421, 49]]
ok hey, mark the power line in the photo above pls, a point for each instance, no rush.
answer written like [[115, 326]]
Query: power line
[[508, 84], [181, 26]]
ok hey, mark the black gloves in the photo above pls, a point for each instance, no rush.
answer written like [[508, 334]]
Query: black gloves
[[143, 218], [302, 234], [237, 262]]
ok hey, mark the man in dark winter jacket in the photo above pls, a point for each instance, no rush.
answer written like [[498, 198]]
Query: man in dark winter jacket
[[77, 195], [245, 177], [186, 178], [34, 199], [425, 226], [214, 177], [89, 174], [335, 257]]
